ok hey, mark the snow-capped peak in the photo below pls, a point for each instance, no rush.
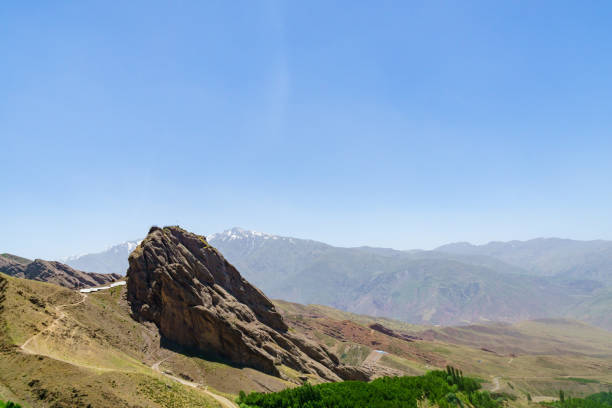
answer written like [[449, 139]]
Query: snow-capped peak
[[127, 246], [237, 233]]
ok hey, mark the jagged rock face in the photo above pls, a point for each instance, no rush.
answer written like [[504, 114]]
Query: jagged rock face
[[55, 272], [199, 300]]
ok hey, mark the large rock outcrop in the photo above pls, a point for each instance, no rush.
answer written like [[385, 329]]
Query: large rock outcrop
[[199, 300], [53, 272]]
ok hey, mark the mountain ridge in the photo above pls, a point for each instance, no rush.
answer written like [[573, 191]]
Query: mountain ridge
[[53, 272], [353, 279]]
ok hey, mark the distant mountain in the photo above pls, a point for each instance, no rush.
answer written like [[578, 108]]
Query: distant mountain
[[564, 258], [596, 309], [52, 272], [111, 260], [415, 286], [269, 261], [454, 284]]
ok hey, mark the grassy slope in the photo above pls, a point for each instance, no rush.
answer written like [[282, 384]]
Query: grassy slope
[[320, 310], [544, 336], [547, 352], [96, 354]]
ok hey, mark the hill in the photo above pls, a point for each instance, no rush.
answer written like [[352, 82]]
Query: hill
[[60, 347], [537, 357], [53, 272]]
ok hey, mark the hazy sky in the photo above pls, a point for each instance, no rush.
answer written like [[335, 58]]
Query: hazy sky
[[400, 124]]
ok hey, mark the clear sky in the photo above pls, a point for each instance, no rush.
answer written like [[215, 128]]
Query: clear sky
[[399, 124]]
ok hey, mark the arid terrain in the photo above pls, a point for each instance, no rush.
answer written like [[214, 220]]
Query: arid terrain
[[58, 346]]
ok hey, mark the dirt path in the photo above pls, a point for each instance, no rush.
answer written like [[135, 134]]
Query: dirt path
[[226, 403], [156, 365], [495, 384], [222, 400], [53, 325], [543, 398]]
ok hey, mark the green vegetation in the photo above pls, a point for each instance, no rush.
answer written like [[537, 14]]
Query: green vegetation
[[445, 389], [599, 400], [9, 404]]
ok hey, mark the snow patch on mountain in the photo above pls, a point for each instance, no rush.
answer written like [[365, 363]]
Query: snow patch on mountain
[[237, 233]]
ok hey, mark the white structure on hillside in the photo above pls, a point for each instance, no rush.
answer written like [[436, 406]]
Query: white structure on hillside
[[112, 285]]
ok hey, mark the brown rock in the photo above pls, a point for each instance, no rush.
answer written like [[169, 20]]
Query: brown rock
[[199, 300], [54, 272]]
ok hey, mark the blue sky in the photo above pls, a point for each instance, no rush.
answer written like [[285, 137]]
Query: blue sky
[[399, 124]]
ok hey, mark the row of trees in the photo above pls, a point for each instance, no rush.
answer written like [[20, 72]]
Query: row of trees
[[446, 389], [599, 400]]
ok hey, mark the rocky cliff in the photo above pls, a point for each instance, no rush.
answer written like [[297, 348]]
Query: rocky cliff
[[199, 300], [53, 272]]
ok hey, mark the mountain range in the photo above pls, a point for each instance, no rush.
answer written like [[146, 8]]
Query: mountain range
[[189, 330], [457, 283]]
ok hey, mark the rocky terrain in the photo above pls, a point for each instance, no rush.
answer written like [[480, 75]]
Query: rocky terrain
[[198, 300], [52, 272]]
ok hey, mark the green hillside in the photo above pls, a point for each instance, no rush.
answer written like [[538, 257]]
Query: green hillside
[[58, 346]]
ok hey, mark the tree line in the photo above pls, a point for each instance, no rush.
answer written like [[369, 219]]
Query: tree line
[[446, 389]]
